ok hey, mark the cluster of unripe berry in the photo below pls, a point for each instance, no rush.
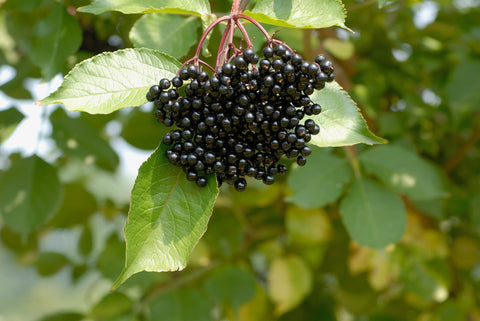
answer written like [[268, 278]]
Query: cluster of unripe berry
[[243, 119]]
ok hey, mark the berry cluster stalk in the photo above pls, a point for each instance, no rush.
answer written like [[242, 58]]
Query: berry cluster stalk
[[227, 49]]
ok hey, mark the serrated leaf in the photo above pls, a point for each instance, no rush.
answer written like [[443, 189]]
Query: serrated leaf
[[192, 7], [9, 119], [112, 80], [321, 182], [340, 121], [289, 282], [299, 13], [405, 171], [373, 215], [55, 38], [187, 304], [75, 136], [230, 285], [168, 215], [181, 35], [33, 194]]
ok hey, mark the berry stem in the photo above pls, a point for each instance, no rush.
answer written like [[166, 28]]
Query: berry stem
[[235, 7], [207, 31], [244, 32], [259, 26]]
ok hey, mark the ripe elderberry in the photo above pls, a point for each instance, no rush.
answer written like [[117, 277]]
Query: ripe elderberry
[[240, 120]]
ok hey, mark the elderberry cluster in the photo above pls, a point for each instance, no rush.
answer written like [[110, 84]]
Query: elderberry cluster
[[243, 119]]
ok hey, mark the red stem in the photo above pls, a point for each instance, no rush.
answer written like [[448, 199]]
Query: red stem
[[235, 7], [259, 26], [244, 32], [206, 32]]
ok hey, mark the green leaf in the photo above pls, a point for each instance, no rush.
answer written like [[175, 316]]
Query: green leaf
[[207, 20], [187, 304], [111, 306], [55, 38], [191, 7], [307, 227], [113, 80], [33, 194], [181, 36], [49, 263], [231, 285], [289, 282], [72, 316], [168, 215], [112, 257], [21, 5], [405, 171], [373, 215], [381, 3], [299, 13], [427, 280], [475, 210], [225, 233], [463, 89], [77, 206], [9, 119], [321, 182], [340, 121], [143, 131], [76, 137]]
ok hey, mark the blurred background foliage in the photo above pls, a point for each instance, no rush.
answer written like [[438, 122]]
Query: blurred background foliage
[[271, 253]]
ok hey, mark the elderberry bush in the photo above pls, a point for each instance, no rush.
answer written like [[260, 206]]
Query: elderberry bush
[[240, 121]]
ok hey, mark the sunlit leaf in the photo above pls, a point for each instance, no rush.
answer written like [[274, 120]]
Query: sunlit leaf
[[289, 282], [181, 35], [181, 305], [299, 13], [168, 215], [55, 38], [113, 80], [405, 171], [33, 194], [9, 119], [192, 7], [230, 285], [321, 182], [373, 215], [340, 121]]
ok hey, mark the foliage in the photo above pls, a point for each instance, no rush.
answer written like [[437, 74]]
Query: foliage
[[386, 232]]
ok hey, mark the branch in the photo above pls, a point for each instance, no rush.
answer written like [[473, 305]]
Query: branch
[[460, 154]]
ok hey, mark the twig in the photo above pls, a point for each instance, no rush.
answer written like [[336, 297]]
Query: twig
[[460, 154]]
